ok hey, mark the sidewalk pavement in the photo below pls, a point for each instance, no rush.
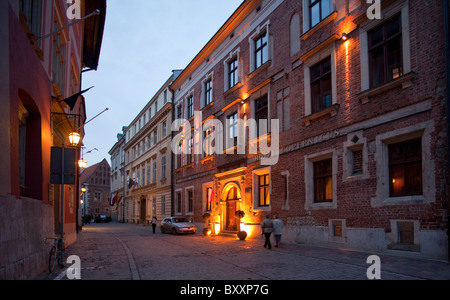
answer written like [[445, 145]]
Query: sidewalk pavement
[[131, 252]]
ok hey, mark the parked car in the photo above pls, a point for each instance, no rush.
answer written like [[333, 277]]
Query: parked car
[[177, 225], [102, 219]]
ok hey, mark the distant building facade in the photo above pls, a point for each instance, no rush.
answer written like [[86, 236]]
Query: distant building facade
[[148, 161], [97, 198], [117, 154]]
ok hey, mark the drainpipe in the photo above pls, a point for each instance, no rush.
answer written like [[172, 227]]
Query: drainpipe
[[172, 159], [447, 65]]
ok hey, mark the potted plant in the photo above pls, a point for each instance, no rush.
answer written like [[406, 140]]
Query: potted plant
[[242, 235], [206, 216], [239, 214], [207, 229]]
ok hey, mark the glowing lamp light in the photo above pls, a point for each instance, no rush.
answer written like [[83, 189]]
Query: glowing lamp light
[[344, 36], [82, 164], [74, 139], [217, 228]]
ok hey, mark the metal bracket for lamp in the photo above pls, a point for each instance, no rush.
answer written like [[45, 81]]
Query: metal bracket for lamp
[[95, 13]]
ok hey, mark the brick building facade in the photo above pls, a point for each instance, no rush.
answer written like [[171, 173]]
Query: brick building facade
[[361, 133], [97, 182]]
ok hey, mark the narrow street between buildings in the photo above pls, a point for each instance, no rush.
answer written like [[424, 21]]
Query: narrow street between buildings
[[130, 252]]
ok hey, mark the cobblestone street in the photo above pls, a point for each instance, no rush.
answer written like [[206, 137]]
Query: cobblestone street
[[130, 252]]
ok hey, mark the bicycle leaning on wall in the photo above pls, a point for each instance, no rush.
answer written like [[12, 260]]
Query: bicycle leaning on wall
[[56, 253]]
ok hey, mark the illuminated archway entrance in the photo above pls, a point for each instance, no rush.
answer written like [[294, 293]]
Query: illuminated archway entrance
[[232, 199]]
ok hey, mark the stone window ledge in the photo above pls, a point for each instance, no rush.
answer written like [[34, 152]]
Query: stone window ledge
[[405, 81], [332, 111]]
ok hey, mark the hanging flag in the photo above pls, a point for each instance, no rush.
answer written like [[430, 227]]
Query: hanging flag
[[72, 100], [113, 199], [119, 198], [130, 183], [211, 197]]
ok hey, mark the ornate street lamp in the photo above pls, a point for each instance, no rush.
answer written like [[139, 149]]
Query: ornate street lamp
[[82, 164], [74, 139]]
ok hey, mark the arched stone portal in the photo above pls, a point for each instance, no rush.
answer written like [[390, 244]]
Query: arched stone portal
[[231, 198]]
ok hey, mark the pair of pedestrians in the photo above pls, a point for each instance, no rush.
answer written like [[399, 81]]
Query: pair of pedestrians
[[270, 226]]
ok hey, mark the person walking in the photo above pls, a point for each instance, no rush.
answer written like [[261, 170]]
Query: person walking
[[154, 220], [267, 229], [277, 230]]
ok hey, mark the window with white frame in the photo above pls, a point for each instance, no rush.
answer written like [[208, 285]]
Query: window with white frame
[[190, 200], [155, 137], [163, 167], [261, 115], [190, 150], [316, 11], [385, 55], [180, 112], [178, 202], [164, 129], [283, 109], [320, 80], [207, 141], [154, 206], [259, 47], [321, 180], [233, 73], [385, 47], [207, 90], [190, 106], [179, 156], [154, 172], [232, 130], [405, 166], [231, 69], [262, 188], [321, 85], [261, 50]]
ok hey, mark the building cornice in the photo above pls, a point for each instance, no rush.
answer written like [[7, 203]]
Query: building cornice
[[224, 32], [163, 112]]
